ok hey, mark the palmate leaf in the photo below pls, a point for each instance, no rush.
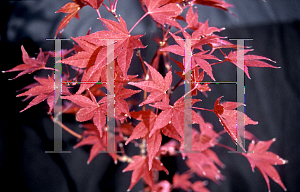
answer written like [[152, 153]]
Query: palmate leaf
[[142, 130], [140, 168], [91, 109], [163, 12], [157, 87], [43, 90], [249, 60], [228, 117], [72, 9], [30, 65], [259, 157], [92, 137], [94, 54]]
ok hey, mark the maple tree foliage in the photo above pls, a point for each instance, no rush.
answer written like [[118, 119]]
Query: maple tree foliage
[[30, 64], [259, 157], [154, 116]]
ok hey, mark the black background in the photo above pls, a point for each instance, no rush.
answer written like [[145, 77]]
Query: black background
[[272, 97]]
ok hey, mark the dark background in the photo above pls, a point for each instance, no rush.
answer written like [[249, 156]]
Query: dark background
[[272, 97]]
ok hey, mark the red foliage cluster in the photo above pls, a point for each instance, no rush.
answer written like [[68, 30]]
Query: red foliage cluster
[[89, 59]]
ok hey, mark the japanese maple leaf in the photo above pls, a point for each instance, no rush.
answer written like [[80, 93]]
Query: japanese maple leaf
[[140, 168], [196, 80], [203, 165], [201, 29], [199, 186], [173, 115], [220, 4], [91, 137], [72, 9], [44, 90], [163, 12], [121, 106], [95, 4], [197, 59], [143, 129], [94, 56], [30, 64], [91, 109], [182, 181], [157, 87], [228, 118], [249, 60], [204, 140], [259, 157], [125, 42]]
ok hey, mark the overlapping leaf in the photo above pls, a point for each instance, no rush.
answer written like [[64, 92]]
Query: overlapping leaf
[[157, 87], [143, 129], [91, 109], [228, 118], [197, 59], [163, 12], [91, 137], [44, 90], [140, 168]]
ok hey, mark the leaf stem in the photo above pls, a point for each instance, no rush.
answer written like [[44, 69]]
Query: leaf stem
[[66, 128], [138, 22], [99, 15], [218, 62], [142, 61], [225, 146], [202, 109]]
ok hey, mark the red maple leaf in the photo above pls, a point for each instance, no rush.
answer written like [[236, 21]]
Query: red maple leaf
[[259, 157], [140, 168], [182, 181], [220, 4], [202, 29], [30, 64], [163, 12], [196, 80], [173, 115], [199, 186], [125, 42], [94, 56], [121, 106], [228, 118], [198, 58], [44, 90], [143, 129], [73, 11], [95, 4], [203, 165], [157, 87], [91, 109], [249, 60], [91, 136]]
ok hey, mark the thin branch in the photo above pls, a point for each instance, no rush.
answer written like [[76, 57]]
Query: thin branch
[[66, 128], [138, 22]]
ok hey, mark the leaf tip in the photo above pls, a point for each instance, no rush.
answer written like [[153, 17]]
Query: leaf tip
[[284, 161]]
